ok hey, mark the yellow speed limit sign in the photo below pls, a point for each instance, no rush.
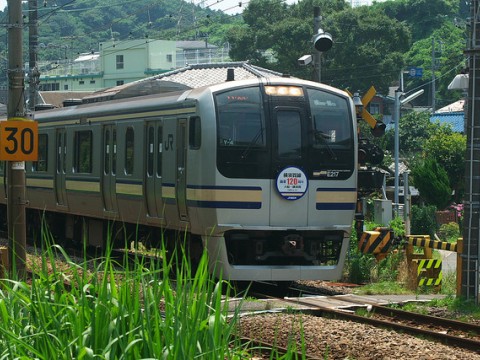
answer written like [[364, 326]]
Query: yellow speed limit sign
[[19, 140]]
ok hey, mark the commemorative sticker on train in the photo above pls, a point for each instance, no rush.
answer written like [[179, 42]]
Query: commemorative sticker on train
[[292, 183], [19, 140]]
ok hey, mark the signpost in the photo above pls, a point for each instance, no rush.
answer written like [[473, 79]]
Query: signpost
[[19, 140]]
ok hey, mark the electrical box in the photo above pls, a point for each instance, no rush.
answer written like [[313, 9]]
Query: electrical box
[[382, 211]]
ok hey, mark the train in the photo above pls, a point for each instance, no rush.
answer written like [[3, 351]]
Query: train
[[261, 173]]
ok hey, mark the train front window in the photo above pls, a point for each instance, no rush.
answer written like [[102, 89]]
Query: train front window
[[332, 132], [240, 120], [241, 134]]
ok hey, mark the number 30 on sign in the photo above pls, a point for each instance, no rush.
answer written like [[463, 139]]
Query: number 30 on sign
[[18, 140]]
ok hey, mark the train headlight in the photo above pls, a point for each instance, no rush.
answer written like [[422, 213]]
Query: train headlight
[[283, 90]]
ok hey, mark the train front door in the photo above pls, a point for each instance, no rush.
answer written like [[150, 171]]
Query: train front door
[[181, 159], [289, 198], [109, 168], [60, 166], [153, 174]]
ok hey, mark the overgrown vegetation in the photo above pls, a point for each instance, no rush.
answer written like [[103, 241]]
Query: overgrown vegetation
[[108, 310]]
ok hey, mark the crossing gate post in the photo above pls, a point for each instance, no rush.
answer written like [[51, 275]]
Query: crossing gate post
[[423, 269]]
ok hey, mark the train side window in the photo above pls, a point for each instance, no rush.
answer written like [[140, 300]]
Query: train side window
[[195, 134], [83, 152], [42, 163], [129, 151]]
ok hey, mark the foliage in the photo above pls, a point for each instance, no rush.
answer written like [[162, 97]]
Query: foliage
[[414, 130], [423, 220], [115, 311], [449, 232], [432, 182], [365, 58], [449, 149]]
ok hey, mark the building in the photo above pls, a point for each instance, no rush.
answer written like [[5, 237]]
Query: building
[[121, 62]]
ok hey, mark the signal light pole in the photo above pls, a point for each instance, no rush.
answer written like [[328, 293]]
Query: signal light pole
[[471, 223]]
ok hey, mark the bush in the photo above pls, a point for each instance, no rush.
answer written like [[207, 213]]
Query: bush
[[423, 220], [449, 232]]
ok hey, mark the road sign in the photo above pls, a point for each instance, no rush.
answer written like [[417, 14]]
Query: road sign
[[415, 72], [18, 140], [377, 127]]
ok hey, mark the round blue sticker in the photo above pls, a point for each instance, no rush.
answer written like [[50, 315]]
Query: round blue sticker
[[292, 183]]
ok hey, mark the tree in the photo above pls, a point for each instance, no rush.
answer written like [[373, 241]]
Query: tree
[[368, 49], [449, 149], [432, 182], [448, 43], [414, 130]]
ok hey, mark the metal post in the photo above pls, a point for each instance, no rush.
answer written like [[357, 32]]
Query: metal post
[[316, 54], [398, 93], [471, 230], [16, 170]]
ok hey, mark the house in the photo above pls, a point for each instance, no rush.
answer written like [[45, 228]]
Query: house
[[121, 62], [452, 114]]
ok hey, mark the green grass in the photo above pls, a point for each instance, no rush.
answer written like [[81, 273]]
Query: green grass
[[115, 312], [102, 309]]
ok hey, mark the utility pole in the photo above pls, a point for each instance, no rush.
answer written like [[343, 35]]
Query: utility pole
[[471, 226], [16, 169], [33, 73], [434, 67], [317, 66]]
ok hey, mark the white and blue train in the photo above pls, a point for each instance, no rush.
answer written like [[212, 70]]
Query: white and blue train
[[262, 173]]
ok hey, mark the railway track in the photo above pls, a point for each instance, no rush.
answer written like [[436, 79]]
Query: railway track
[[449, 332]]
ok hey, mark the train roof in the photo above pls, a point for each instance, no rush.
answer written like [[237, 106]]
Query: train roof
[[189, 77]]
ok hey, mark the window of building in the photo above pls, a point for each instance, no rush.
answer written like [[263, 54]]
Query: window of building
[[83, 152], [92, 81], [120, 82], [119, 61], [65, 87], [42, 163], [374, 108], [81, 82], [169, 58], [129, 151]]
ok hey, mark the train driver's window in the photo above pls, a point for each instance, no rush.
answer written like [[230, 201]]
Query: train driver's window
[[129, 151], [240, 120], [330, 116]]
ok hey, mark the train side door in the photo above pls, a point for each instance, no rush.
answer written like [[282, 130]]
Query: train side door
[[288, 199], [109, 168], [181, 160], [60, 166], [153, 173]]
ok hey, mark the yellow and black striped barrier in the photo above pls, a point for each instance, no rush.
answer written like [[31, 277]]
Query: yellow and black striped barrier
[[425, 241], [377, 242], [429, 272]]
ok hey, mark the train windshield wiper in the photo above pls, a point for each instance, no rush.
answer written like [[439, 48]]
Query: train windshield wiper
[[323, 138], [251, 143]]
